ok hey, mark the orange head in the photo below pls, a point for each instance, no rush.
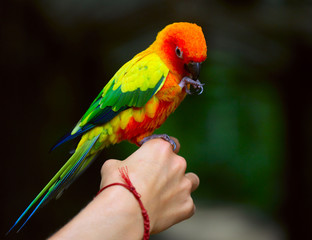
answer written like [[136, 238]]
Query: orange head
[[182, 46]]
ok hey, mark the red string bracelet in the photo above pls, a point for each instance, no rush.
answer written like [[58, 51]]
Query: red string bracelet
[[124, 174]]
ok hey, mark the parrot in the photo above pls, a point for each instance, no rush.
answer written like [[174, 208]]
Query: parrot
[[136, 101]]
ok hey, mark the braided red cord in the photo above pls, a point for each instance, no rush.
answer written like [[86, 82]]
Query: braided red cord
[[124, 174]]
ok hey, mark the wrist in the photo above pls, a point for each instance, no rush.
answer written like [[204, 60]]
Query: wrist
[[124, 211], [129, 186], [113, 214]]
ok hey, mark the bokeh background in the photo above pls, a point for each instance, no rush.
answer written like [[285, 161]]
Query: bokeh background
[[248, 136]]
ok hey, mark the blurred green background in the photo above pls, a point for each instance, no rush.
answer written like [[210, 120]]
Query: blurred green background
[[248, 136]]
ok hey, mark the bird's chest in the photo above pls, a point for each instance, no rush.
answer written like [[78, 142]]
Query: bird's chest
[[141, 122], [145, 120]]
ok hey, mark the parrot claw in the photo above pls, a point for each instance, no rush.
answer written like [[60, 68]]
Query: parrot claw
[[196, 84], [162, 136]]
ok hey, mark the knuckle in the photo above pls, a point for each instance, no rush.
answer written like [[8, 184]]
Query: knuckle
[[163, 147], [166, 146], [180, 163]]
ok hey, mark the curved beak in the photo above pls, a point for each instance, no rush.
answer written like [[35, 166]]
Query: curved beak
[[194, 69]]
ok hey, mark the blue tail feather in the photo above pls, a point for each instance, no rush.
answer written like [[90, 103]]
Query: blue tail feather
[[58, 183], [32, 213]]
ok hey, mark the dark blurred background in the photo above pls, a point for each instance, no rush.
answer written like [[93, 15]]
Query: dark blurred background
[[248, 136]]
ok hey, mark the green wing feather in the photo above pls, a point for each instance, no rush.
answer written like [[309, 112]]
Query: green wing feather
[[132, 86]]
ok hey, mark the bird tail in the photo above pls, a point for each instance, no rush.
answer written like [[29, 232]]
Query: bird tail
[[75, 165]]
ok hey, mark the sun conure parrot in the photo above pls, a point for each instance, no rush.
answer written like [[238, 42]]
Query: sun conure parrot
[[135, 102]]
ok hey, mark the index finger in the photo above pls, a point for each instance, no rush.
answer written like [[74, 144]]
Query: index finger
[[177, 144]]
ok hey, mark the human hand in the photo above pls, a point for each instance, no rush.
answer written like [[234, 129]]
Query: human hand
[[158, 174]]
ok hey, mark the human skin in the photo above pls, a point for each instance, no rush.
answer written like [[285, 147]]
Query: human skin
[[158, 174]]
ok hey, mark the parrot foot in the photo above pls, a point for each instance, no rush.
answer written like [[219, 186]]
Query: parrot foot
[[196, 84], [162, 136]]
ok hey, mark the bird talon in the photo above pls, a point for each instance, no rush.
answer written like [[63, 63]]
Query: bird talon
[[188, 91], [197, 85], [162, 136]]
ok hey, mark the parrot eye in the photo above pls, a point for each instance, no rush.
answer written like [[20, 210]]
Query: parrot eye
[[179, 52]]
